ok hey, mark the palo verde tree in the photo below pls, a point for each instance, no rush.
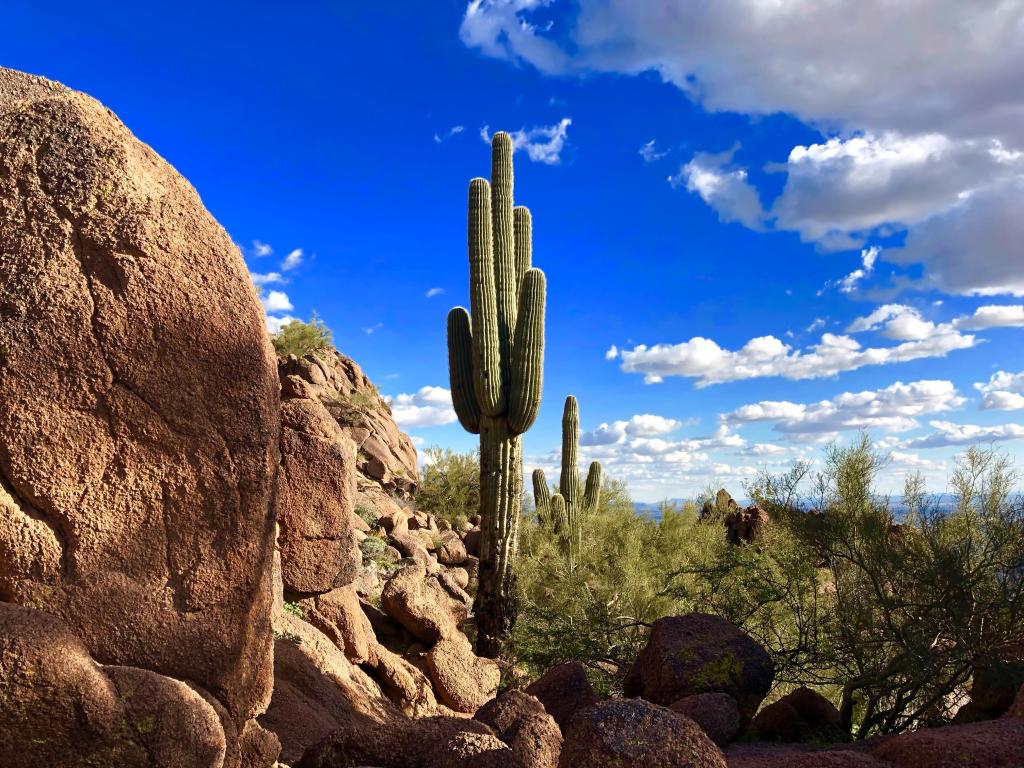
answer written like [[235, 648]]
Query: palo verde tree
[[495, 360], [565, 512]]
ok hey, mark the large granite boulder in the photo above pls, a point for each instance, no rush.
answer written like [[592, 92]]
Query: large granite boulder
[[700, 653], [139, 411], [563, 690]]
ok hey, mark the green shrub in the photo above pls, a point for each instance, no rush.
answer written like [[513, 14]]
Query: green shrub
[[373, 546], [450, 486], [299, 338], [368, 514], [295, 610]]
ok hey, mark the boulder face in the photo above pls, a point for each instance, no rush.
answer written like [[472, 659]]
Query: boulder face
[[700, 653], [621, 732], [563, 690], [801, 715], [716, 713], [385, 455], [139, 411]]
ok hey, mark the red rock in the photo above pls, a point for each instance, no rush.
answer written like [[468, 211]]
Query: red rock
[[716, 713], [420, 604], [633, 732], [700, 653], [779, 756], [1017, 708], [140, 417], [463, 681], [801, 715], [563, 690], [521, 722], [990, 744], [452, 551]]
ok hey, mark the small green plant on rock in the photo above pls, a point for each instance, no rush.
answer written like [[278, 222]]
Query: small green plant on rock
[[299, 338]]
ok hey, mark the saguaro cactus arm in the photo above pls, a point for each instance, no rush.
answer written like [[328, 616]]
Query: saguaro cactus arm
[[527, 354], [460, 367], [487, 381], [541, 496], [569, 483], [592, 493], [559, 515]]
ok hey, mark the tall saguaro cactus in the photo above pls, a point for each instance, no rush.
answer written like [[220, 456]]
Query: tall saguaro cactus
[[495, 360], [566, 511]]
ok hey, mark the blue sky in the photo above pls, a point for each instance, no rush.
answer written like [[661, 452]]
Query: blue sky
[[764, 225]]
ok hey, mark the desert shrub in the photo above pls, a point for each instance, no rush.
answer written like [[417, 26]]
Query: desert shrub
[[299, 338], [368, 514], [597, 611], [373, 546], [295, 610], [887, 615], [450, 486]]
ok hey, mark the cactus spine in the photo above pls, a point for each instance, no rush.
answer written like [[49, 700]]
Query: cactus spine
[[495, 360], [565, 512]]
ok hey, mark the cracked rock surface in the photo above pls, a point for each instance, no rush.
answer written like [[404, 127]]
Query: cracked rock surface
[[139, 410]]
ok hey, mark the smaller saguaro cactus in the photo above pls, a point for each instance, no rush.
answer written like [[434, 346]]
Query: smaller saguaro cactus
[[565, 512]]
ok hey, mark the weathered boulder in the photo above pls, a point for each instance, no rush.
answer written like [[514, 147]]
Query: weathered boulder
[[316, 689], [1017, 708], [994, 684], [473, 750], [384, 454], [621, 732], [314, 497], [463, 680], [361, 741], [339, 615], [990, 744], [451, 551], [139, 411], [790, 756], [520, 721], [716, 713], [58, 707], [801, 715], [563, 690], [700, 653], [420, 604], [402, 682]]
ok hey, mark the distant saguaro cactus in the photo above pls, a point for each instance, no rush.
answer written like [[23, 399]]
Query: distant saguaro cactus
[[565, 512], [495, 360]]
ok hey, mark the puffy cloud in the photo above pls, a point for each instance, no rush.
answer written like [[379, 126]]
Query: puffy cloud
[[991, 316], [429, 407], [766, 356], [641, 425], [947, 434], [848, 284], [927, 144], [1002, 392], [269, 278], [892, 409], [276, 301], [804, 58], [722, 186], [275, 324], [612, 353], [261, 249], [543, 144], [292, 260]]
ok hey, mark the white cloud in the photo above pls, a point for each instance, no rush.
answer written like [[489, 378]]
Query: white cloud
[[455, 130], [649, 151], [275, 324], [276, 301], [722, 186], [268, 278], [428, 407], [766, 449], [848, 284], [543, 144], [866, 63], [434, 292], [892, 409], [766, 356], [371, 329], [1002, 392], [641, 425], [292, 260], [612, 353], [261, 249], [992, 316], [914, 141], [947, 434]]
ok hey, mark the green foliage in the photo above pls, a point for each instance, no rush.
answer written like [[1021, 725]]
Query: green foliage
[[299, 338], [373, 546], [295, 610], [597, 609], [368, 514], [450, 485], [885, 616], [352, 409]]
